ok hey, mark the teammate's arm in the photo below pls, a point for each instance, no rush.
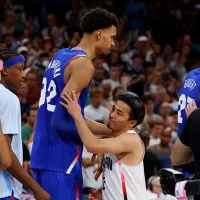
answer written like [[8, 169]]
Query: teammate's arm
[[17, 171], [5, 157], [181, 154], [181, 151], [116, 145]]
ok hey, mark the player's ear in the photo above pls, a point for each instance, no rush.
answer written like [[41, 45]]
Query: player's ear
[[99, 34], [4, 71], [132, 123]]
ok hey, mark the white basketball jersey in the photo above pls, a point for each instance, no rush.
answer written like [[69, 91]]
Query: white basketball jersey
[[122, 182]]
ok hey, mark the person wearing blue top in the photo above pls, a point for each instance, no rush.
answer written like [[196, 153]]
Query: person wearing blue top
[[190, 90], [56, 158]]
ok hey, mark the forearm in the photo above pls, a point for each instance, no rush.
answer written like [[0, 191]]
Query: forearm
[[87, 137], [17, 171], [5, 157], [98, 129]]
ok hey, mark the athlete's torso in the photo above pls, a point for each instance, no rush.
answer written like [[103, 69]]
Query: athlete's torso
[[54, 150]]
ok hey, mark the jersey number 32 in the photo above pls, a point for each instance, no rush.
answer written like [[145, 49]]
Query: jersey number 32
[[51, 88]]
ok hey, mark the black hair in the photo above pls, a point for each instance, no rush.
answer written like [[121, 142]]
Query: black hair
[[7, 54], [148, 97], [97, 18], [115, 91], [28, 111], [137, 107]]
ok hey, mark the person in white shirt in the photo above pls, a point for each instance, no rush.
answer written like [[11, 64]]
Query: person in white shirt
[[95, 111], [5, 157], [123, 171], [11, 180]]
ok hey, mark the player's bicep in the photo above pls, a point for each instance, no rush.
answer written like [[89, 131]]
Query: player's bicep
[[8, 138], [81, 74], [113, 145]]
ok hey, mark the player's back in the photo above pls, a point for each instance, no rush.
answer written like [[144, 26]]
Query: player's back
[[52, 148], [190, 90]]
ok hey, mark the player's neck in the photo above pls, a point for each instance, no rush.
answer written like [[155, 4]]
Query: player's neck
[[87, 45], [3, 82], [118, 133]]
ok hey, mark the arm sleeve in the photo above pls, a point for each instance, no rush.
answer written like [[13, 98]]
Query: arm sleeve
[[191, 127], [9, 117]]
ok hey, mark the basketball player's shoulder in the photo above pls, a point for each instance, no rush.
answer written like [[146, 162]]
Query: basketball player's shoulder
[[133, 137], [9, 98], [82, 63]]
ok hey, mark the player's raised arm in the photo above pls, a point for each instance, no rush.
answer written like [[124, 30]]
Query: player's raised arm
[[92, 144]]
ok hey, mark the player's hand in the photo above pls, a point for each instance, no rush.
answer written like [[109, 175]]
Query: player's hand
[[190, 108], [98, 170], [41, 194], [71, 104], [95, 195]]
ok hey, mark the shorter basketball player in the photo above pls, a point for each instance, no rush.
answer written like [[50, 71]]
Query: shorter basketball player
[[5, 157], [123, 171]]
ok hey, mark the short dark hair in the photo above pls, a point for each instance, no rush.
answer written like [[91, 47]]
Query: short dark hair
[[148, 97], [28, 111], [97, 18], [7, 54], [136, 105]]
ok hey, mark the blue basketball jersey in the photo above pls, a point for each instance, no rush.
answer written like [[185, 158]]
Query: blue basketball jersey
[[56, 137], [190, 90]]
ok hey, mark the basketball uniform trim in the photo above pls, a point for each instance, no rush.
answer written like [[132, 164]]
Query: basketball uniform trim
[[122, 171], [75, 160], [123, 181]]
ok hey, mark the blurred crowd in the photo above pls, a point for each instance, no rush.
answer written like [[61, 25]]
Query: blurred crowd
[[158, 43]]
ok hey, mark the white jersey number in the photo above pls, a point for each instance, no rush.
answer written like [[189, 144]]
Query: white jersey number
[[52, 94], [183, 101]]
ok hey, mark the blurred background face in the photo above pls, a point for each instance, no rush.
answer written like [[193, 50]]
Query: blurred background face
[[114, 58], [161, 95], [166, 137], [165, 109], [149, 106], [23, 90], [156, 187], [115, 72], [157, 130], [31, 79], [31, 118], [97, 99]]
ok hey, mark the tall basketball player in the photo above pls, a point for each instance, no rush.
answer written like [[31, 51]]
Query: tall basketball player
[[56, 157]]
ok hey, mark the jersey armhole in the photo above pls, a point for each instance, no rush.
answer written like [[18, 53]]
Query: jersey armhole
[[73, 58]]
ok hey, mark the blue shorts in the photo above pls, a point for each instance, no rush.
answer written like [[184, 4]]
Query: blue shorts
[[60, 186], [8, 198]]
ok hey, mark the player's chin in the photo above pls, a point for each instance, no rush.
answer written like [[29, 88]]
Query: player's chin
[[18, 85]]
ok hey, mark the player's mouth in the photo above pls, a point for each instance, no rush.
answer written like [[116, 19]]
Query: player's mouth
[[110, 121]]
